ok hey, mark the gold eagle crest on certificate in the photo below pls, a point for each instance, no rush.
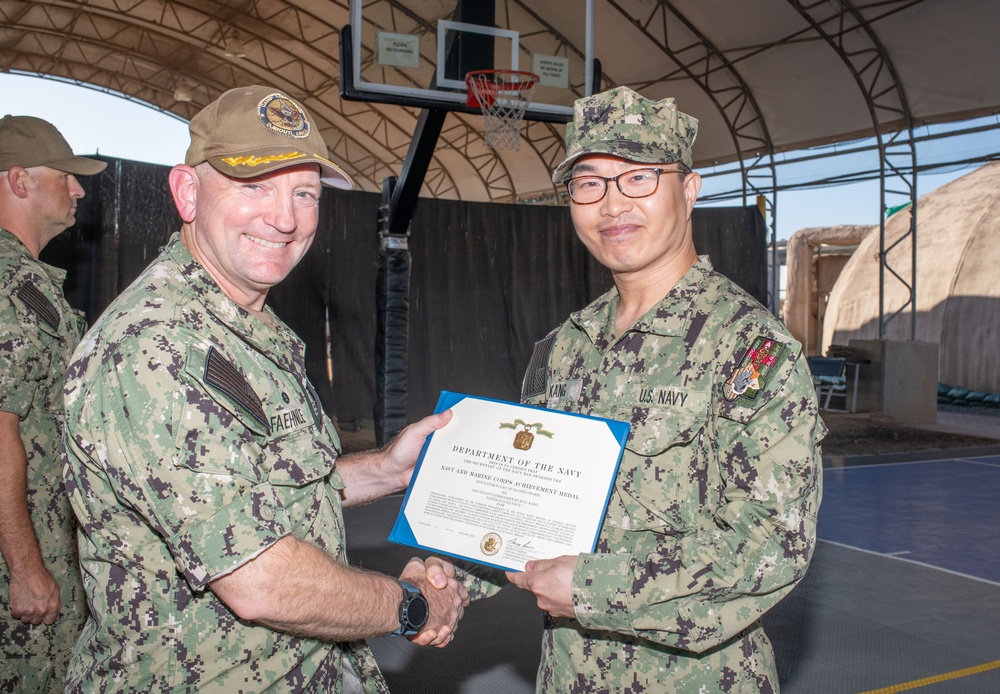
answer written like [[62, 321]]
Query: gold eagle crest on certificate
[[491, 543], [526, 436]]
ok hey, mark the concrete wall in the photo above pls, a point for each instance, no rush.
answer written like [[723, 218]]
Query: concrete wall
[[898, 378]]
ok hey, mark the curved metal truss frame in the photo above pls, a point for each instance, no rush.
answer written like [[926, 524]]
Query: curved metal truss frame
[[141, 49]]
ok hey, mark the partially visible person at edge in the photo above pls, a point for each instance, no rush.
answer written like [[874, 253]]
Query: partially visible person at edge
[[712, 519], [42, 606], [207, 479]]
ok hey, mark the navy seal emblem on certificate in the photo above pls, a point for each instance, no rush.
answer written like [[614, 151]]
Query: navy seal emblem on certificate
[[505, 483]]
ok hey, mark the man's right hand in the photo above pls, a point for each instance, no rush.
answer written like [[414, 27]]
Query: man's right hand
[[34, 597], [446, 598]]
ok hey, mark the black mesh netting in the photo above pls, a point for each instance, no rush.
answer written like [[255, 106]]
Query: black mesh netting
[[486, 282]]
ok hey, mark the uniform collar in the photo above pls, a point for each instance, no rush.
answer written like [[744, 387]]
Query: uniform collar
[[671, 316], [276, 341], [56, 274]]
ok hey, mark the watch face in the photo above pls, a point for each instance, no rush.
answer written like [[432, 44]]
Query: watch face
[[416, 612]]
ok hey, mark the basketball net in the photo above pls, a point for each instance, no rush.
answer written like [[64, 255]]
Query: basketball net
[[503, 96]]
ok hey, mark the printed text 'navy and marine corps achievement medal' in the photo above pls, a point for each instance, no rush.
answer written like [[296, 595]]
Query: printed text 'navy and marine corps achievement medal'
[[754, 369]]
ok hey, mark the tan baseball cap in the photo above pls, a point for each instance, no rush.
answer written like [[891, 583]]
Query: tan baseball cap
[[623, 123], [249, 131], [28, 141]]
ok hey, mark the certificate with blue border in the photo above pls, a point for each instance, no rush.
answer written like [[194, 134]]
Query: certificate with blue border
[[505, 483]]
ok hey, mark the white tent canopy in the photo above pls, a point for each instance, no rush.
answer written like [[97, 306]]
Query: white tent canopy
[[763, 78]]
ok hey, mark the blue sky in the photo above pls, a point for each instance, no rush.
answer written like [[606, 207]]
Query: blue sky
[[94, 122]]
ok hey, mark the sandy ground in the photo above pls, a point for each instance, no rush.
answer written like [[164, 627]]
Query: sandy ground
[[877, 434], [850, 435]]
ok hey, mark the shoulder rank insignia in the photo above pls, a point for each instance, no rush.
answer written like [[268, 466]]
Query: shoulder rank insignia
[[752, 374]]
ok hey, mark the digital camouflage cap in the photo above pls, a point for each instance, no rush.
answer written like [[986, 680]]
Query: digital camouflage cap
[[623, 123]]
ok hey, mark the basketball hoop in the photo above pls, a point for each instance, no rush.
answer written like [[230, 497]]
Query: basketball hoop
[[503, 97]]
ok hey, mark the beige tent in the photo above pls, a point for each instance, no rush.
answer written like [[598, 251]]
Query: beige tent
[[958, 281], [815, 257]]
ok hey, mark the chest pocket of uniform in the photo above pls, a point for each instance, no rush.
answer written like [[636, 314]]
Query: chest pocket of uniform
[[661, 482], [42, 344], [224, 428], [216, 432], [301, 457]]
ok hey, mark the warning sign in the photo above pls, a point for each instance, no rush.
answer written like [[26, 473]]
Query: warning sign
[[398, 50], [552, 71]]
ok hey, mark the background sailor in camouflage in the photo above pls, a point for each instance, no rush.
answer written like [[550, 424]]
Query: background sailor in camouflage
[[205, 474], [41, 597], [713, 514]]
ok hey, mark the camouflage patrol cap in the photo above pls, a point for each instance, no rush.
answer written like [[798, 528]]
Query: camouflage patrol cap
[[625, 124], [27, 141], [249, 131]]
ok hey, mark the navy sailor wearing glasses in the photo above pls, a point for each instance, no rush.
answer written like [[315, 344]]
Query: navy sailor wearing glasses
[[712, 518]]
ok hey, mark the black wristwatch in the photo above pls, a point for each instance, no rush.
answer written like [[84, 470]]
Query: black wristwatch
[[413, 610]]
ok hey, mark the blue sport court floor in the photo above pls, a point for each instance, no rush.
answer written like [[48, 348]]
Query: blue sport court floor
[[903, 593]]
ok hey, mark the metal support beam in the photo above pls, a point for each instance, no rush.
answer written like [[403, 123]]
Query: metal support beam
[[399, 199], [850, 34], [411, 176]]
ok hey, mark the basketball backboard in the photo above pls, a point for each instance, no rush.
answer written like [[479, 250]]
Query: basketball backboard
[[390, 55]]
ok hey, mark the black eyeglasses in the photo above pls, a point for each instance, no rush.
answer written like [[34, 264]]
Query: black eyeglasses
[[637, 183]]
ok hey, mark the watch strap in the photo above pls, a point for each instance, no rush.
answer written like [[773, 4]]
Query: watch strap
[[407, 625]]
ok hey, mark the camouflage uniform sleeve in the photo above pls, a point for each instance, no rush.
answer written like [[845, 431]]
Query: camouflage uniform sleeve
[[187, 464], [480, 581], [24, 359], [696, 589]]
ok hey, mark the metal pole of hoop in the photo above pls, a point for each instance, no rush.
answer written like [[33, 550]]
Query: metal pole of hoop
[[503, 96]]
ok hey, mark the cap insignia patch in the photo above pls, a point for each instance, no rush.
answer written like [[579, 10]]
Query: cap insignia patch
[[754, 370], [283, 116]]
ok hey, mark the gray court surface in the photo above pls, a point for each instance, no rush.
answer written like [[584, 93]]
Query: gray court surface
[[861, 621]]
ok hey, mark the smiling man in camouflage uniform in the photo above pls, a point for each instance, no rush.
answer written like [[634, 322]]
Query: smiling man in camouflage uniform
[[713, 516], [207, 479], [42, 606]]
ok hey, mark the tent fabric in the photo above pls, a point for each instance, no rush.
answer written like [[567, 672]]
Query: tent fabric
[[958, 295], [762, 77], [810, 275]]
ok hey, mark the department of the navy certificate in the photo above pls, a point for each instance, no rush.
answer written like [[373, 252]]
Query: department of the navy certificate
[[505, 483]]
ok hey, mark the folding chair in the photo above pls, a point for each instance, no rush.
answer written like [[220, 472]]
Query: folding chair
[[829, 376]]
